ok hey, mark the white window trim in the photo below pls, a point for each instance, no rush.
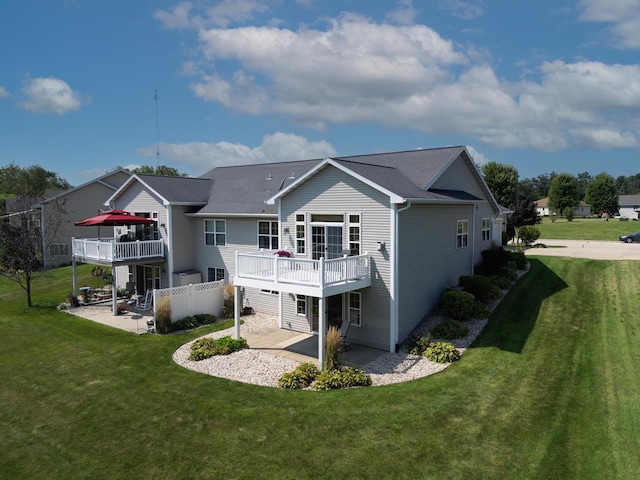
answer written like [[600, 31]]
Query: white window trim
[[215, 232], [298, 302], [215, 273], [486, 230], [302, 239], [349, 308], [271, 235], [462, 235], [359, 226]]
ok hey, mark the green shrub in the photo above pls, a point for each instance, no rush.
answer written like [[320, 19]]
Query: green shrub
[[417, 344], [292, 381], [208, 347], [568, 213], [343, 378], [499, 281], [528, 234], [193, 321], [480, 287], [481, 310], [442, 352], [493, 259], [458, 304], [520, 260], [450, 329], [509, 273], [303, 375]]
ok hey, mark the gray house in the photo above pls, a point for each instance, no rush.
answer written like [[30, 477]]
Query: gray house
[[373, 240], [629, 206]]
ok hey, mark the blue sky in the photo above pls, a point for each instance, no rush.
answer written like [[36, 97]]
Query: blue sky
[[543, 86]]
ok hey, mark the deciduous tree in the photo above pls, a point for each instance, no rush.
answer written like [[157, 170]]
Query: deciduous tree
[[502, 181], [602, 194]]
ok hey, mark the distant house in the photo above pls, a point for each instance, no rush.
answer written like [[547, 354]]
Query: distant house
[[582, 209], [373, 240], [629, 206], [53, 217]]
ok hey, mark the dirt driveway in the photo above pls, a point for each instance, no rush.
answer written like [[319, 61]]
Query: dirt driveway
[[588, 249]]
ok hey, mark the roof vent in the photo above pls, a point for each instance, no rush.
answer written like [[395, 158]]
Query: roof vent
[[269, 177], [292, 176]]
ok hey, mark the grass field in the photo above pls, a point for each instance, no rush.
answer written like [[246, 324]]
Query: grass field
[[586, 229], [549, 390]]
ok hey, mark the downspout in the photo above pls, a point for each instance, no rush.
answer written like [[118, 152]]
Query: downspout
[[473, 234], [169, 244], [395, 275]]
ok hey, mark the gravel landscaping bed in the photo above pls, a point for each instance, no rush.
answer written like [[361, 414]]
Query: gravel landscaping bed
[[263, 368]]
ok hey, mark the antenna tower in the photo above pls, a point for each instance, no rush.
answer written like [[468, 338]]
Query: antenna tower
[[155, 97]]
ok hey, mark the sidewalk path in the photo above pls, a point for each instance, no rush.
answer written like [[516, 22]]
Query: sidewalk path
[[593, 249]]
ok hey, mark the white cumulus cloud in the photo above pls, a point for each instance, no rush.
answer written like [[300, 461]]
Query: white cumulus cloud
[[622, 15], [4, 93], [201, 156], [51, 95]]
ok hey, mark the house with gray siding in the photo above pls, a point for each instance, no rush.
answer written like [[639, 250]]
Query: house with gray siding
[[372, 240], [629, 206]]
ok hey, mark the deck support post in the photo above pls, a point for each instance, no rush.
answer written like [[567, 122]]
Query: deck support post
[[322, 332], [236, 312]]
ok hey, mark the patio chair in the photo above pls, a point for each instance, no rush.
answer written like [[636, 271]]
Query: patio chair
[[146, 302], [344, 329]]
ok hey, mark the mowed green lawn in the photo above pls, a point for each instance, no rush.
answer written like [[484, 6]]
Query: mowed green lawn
[[549, 390], [586, 229]]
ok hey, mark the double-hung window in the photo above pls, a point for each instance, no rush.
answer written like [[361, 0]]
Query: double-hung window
[[301, 234], [462, 236], [215, 232], [59, 249], [301, 305], [486, 229], [215, 274], [268, 235], [354, 234], [355, 310]]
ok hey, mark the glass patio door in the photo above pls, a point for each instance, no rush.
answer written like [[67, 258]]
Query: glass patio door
[[326, 241]]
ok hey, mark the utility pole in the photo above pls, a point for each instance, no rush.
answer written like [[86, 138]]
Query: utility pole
[[155, 97]]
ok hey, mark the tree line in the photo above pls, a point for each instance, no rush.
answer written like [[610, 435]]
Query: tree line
[[563, 190]]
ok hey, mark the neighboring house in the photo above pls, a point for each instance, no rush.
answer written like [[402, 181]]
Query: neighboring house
[[54, 215], [372, 239], [580, 210], [629, 206]]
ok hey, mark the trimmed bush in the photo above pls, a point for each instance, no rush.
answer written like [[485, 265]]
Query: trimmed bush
[[343, 378], [528, 234], [442, 352], [499, 281], [193, 321], [416, 345], [208, 347], [493, 259], [520, 260], [480, 287], [509, 273], [450, 329], [481, 310], [458, 304], [303, 375]]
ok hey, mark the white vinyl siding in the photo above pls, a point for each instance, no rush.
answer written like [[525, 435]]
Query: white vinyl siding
[[431, 262], [325, 195]]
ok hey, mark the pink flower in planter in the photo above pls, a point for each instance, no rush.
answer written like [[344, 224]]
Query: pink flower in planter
[[283, 253]]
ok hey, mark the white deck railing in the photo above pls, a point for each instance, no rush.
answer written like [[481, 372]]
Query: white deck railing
[[108, 250], [300, 271]]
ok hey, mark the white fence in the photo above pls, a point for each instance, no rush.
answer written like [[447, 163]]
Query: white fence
[[109, 250], [193, 299]]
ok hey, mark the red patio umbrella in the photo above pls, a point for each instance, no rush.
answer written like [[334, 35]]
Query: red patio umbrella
[[114, 218]]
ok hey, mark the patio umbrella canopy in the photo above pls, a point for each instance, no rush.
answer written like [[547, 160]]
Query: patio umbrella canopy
[[115, 218]]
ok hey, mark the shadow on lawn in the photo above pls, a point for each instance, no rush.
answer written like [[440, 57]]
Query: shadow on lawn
[[514, 319]]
